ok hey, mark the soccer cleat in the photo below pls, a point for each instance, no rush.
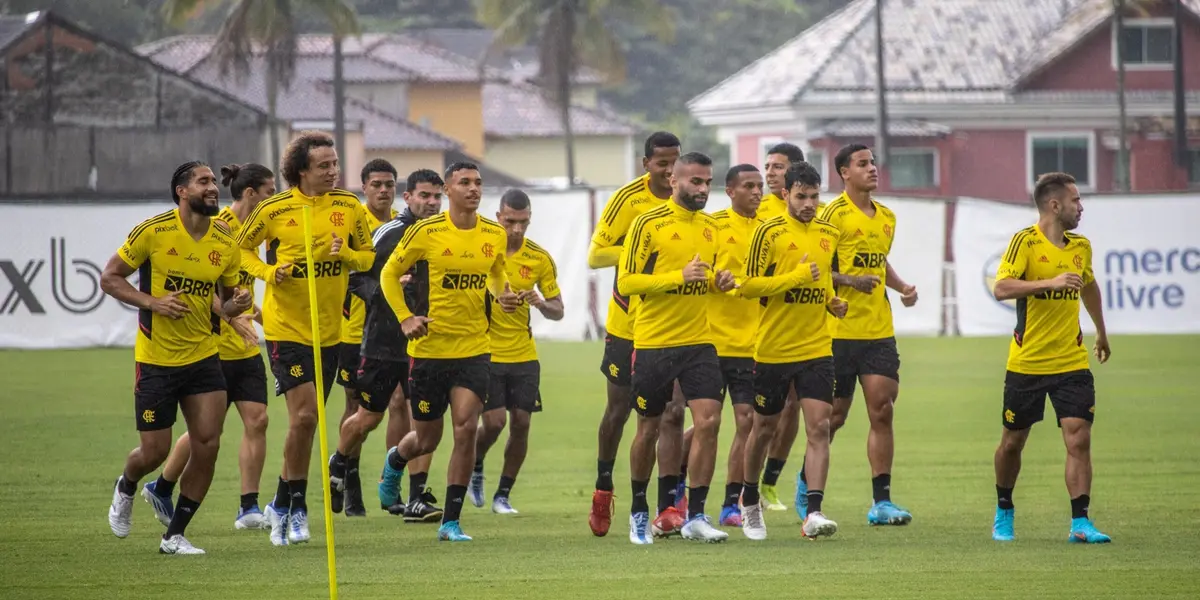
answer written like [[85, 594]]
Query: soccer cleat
[[638, 525], [668, 523], [164, 509], [681, 501], [278, 521], [501, 506], [770, 498], [700, 529], [602, 509], [886, 513], [389, 483], [120, 513], [177, 544], [353, 499], [801, 498], [297, 531], [1084, 532], [451, 532], [731, 516], [1002, 526], [251, 518], [817, 525], [337, 485], [422, 510], [753, 525], [475, 489]]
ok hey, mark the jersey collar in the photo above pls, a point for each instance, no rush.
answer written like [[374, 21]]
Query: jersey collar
[[680, 211]]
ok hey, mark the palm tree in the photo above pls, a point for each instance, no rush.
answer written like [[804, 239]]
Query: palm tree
[[271, 26], [570, 34]]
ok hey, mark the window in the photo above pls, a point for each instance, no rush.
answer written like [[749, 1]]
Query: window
[[1149, 43], [913, 168], [1194, 167], [816, 158], [1072, 153]]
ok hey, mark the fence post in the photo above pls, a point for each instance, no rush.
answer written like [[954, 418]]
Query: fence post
[[593, 291]]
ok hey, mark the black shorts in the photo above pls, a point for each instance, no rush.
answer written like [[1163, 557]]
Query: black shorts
[[515, 386], [1072, 394], [738, 377], [617, 364], [377, 379], [245, 380], [772, 382], [855, 358], [655, 371], [431, 379], [348, 364], [157, 390], [292, 365]]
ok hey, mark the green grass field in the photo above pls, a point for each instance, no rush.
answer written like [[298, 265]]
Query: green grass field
[[67, 423]]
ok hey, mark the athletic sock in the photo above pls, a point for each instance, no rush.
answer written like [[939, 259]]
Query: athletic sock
[[1004, 498], [697, 496], [185, 509], [683, 471], [1079, 507], [454, 502], [505, 487], [772, 471], [249, 501], [164, 488], [337, 466], [479, 465], [351, 474], [416, 485], [604, 469], [803, 465], [750, 494], [667, 485], [126, 486], [282, 496], [395, 461], [298, 489], [814, 500], [640, 505], [882, 487], [732, 492]]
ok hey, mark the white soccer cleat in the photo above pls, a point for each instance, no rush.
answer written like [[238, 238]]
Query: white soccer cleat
[[639, 529], [251, 519], [278, 521], [700, 529], [120, 513], [178, 545], [298, 527], [501, 506], [753, 525], [817, 525]]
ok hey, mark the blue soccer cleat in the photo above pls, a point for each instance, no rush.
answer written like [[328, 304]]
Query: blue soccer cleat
[[639, 529], [451, 532], [886, 513], [1083, 532], [389, 483], [731, 516], [801, 498], [164, 508], [475, 489], [1002, 527]]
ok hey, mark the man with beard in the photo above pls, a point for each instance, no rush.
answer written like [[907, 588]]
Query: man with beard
[[182, 257], [449, 368], [667, 261], [1048, 270], [341, 242]]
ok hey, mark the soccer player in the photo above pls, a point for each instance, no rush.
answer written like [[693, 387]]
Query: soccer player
[[379, 185], [384, 371], [341, 242], [1048, 270], [668, 263], [651, 190], [864, 347], [734, 321], [780, 159], [182, 257], [449, 364], [516, 373], [242, 365], [789, 266]]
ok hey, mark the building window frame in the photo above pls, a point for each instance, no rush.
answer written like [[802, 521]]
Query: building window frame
[[1145, 25], [915, 150], [1087, 135]]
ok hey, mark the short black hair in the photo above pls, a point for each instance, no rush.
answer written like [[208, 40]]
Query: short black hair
[[295, 156], [842, 158], [1049, 185], [695, 158], [793, 152], [183, 176], [515, 199], [660, 139], [460, 166], [736, 170], [423, 176], [239, 178], [802, 173], [378, 165]]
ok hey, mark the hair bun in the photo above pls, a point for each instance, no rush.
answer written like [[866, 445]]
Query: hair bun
[[228, 173]]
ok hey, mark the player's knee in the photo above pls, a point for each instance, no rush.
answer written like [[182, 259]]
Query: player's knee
[[819, 431], [155, 452], [709, 424], [880, 414], [519, 425], [1079, 444], [255, 424], [494, 420], [368, 420], [743, 424], [304, 420]]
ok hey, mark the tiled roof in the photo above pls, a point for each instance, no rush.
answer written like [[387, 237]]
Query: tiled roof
[[519, 110], [867, 128], [935, 50], [12, 26]]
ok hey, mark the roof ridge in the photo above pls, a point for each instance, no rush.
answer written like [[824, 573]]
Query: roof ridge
[[867, 14]]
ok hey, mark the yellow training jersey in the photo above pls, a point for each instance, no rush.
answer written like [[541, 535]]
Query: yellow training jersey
[[863, 250], [279, 223], [1047, 339], [354, 311], [230, 345], [793, 323], [771, 206], [661, 243], [168, 259], [512, 339], [732, 318], [623, 207], [464, 266]]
